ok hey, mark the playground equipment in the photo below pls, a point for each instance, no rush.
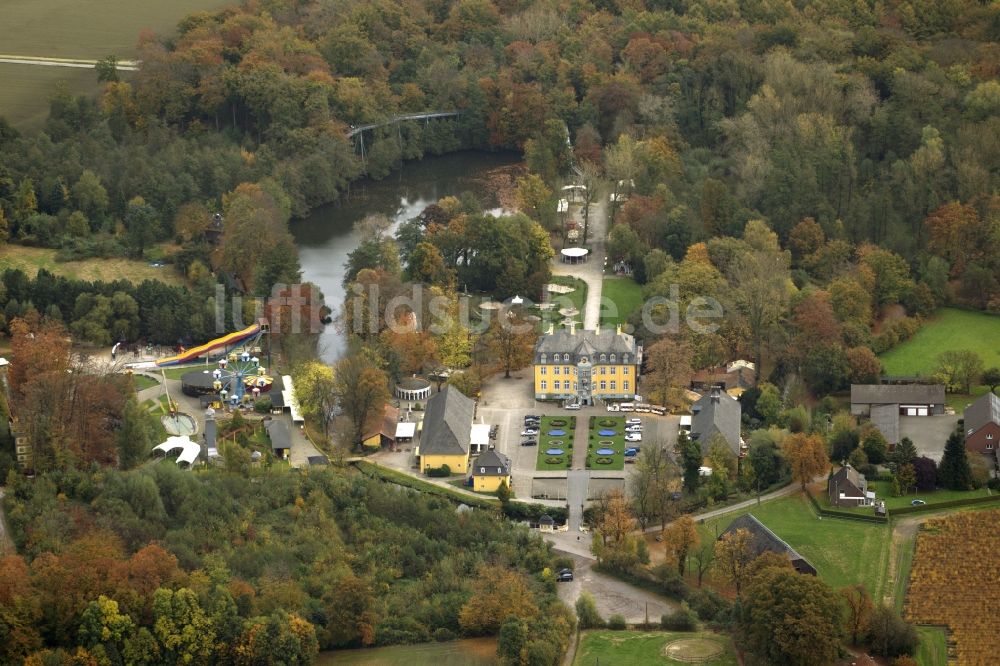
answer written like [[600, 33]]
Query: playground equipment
[[248, 337], [240, 376]]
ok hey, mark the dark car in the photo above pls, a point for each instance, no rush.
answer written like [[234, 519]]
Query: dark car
[[564, 576], [917, 502], [533, 417], [529, 442]]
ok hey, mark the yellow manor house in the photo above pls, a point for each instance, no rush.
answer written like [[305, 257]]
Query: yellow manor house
[[582, 366]]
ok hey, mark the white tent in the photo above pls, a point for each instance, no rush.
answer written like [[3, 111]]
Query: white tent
[[479, 438], [288, 395], [188, 450], [405, 430]]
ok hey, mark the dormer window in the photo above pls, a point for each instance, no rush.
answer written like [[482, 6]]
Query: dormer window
[[542, 358], [565, 358], [604, 358], [612, 358], [624, 358]]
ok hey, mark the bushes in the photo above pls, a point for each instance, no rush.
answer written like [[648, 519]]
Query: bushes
[[262, 405], [439, 472], [709, 605], [617, 622], [894, 332], [586, 612], [890, 635], [683, 619]]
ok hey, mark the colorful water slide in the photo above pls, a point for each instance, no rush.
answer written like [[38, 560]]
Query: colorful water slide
[[230, 340]]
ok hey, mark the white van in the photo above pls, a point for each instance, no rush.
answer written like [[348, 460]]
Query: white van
[[612, 406], [626, 407]]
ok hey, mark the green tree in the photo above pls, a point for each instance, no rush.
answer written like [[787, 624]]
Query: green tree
[[991, 377], [788, 618], [511, 642], [906, 476], [103, 624], [905, 453], [182, 629], [769, 404], [874, 445], [889, 635], [586, 612], [954, 472], [691, 461], [959, 369], [135, 435], [142, 225], [107, 69], [316, 391]]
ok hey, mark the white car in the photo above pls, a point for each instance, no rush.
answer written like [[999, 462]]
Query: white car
[[529, 432], [633, 428], [574, 405], [633, 421], [633, 437], [612, 407]]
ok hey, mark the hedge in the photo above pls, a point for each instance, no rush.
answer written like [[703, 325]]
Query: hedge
[[513, 510], [970, 501]]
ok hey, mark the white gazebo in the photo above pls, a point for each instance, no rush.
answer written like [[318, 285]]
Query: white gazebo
[[188, 450], [574, 255]]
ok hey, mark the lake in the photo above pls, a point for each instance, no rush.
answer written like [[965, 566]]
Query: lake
[[466, 652], [328, 235]]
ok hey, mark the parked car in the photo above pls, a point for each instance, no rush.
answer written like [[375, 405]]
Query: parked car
[[531, 423], [633, 437], [612, 407], [529, 442], [633, 428], [676, 496], [631, 451], [529, 432], [564, 576], [532, 417], [917, 502], [633, 421], [573, 405]]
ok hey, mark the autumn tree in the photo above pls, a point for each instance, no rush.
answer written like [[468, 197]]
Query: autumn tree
[[181, 627], [651, 485], [316, 390], [503, 593], [959, 369], [859, 611], [667, 369], [806, 456], [790, 618], [511, 341], [361, 391], [734, 553], [679, 538], [256, 222], [614, 542]]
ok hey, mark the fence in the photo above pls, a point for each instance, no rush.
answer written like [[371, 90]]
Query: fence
[[846, 515]]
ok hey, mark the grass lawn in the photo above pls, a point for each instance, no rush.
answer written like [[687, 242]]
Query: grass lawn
[[883, 490], [933, 650], [624, 294], [576, 298], [564, 442], [26, 90], [142, 382], [178, 372], [642, 648], [948, 329], [30, 259], [618, 443], [844, 552]]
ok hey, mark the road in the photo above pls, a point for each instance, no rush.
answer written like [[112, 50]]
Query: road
[[122, 65], [612, 595]]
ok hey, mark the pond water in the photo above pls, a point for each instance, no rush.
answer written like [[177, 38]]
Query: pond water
[[466, 652], [328, 235]]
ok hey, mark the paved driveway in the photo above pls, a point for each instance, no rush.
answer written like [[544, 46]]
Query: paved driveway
[[612, 595], [928, 433]]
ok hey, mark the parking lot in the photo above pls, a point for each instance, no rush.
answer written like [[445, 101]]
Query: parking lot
[[505, 402]]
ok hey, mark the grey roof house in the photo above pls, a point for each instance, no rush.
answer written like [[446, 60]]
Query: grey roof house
[[764, 540], [491, 463], [447, 424], [910, 399], [281, 438], [714, 413], [848, 487]]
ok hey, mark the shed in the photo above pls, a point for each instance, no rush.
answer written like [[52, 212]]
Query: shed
[[281, 438], [764, 540]]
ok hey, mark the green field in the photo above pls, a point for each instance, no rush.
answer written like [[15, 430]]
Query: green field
[[883, 491], [31, 259], [142, 382], [642, 648], [948, 329], [625, 294], [72, 29], [844, 552], [618, 443], [933, 650], [545, 441]]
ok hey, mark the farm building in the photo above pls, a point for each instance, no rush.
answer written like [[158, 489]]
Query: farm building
[[982, 425], [909, 399], [764, 540], [383, 433]]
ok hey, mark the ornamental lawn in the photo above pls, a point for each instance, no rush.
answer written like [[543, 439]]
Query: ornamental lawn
[[844, 552], [565, 442], [641, 648], [618, 443], [625, 294]]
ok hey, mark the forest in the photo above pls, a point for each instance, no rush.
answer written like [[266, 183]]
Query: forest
[[161, 566]]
